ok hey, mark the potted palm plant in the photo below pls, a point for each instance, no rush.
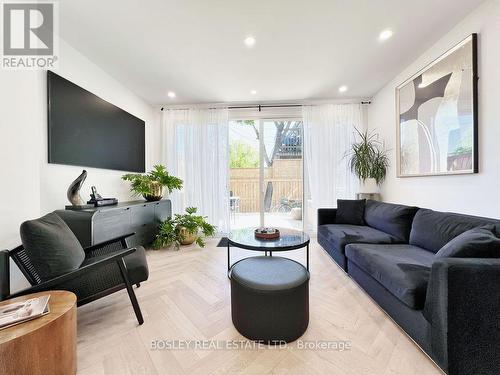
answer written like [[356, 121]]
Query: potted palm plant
[[151, 185], [184, 230], [368, 160]]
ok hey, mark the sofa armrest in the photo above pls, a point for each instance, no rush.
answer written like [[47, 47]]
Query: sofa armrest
[[326, 215], [463, 305]]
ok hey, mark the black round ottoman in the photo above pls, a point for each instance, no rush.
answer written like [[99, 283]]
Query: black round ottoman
[[270, 298]]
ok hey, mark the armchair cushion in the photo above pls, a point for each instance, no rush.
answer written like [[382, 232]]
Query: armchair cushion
[[51, 246], [474, 243], [350, 211], [137, 266]]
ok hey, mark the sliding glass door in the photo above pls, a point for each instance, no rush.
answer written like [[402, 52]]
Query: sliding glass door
[[266, 173], [244, 174]]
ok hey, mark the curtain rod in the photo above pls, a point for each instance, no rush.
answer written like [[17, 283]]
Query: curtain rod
[[260, 106]]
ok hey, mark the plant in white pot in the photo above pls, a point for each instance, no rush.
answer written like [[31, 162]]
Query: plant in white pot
[[368, 160]]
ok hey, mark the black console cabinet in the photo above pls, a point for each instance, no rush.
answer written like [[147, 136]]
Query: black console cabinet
[[95, 225]]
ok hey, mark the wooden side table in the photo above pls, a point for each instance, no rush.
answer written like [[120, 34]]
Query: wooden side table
[[45, 345]]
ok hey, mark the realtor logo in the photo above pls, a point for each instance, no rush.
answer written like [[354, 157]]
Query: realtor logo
[[28, 35]]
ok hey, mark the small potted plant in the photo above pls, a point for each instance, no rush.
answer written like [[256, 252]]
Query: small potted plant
[[151, 185], [368, 160], [184, 230]]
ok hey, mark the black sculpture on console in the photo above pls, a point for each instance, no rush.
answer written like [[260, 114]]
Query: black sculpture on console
[[74, 190]]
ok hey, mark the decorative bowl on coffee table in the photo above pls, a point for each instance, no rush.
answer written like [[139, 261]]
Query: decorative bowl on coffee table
[[267, 233]]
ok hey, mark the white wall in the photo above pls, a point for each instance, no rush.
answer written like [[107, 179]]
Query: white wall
[[30, 186], [473, 194], [54, 179]]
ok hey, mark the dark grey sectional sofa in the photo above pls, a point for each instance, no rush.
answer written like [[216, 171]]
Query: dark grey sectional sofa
[[449, 306]]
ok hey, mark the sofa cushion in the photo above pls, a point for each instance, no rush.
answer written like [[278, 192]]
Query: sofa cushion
[[474, 243], [404, 270], [432, 230], [394, 219], [350, 211], [51, 246], [339, 235]]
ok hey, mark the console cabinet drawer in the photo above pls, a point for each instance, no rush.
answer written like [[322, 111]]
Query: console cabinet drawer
[[163, 210], [96, 225], [142, 214], [111, 224], [144, 236]]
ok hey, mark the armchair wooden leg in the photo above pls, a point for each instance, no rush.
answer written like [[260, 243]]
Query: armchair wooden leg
[[130, 290]]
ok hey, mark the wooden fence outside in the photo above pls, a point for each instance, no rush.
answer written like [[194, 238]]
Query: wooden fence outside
[[285, 176]]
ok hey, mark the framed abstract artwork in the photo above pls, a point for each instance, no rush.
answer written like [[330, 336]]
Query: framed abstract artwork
[[437, 121]]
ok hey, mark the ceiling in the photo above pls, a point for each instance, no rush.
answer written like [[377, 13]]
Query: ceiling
[[304, 50]]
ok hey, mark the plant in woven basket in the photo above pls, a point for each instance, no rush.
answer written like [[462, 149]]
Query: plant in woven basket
[[151, 185], [368, 158], [184, 230]]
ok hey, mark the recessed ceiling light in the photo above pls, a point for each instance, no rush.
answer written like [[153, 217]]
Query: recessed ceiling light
[[253, 92], [171, 94], [249, 41], [384, 35], [343, 88]]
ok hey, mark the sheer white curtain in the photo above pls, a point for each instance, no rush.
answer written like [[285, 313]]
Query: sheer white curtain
[[328, 135], [195, 148]]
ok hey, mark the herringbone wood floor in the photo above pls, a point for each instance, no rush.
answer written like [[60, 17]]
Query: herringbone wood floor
[[187, 297]]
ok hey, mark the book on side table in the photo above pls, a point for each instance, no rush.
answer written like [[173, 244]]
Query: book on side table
[[19, 312]]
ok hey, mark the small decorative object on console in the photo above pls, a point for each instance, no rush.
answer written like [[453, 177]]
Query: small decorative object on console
[[267, 233], [97, 201], [73, 193]]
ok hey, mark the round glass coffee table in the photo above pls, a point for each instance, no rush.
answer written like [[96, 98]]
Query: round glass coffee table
[[289, 240]]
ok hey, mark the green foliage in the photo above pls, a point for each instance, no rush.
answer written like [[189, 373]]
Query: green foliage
[[167, 235], [367, 158], [142, 184], [170, 231], [461, 150], [242, 155], [379, 166], [464, 146], [246, 122]]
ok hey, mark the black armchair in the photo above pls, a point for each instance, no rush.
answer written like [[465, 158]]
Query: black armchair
[[108, 267]]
